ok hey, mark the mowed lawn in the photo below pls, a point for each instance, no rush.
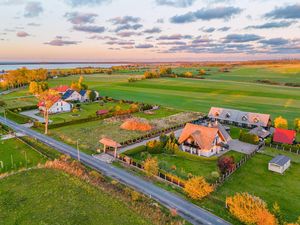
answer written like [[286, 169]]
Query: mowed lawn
[[14, 155], [184, 167], [46, 196], [254, 178]]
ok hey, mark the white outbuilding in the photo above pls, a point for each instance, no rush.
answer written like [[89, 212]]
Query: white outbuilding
[[279, 164]]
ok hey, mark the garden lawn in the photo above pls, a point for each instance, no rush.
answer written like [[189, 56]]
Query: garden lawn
[[274, 152], [13, 155], [182, 165], [255, 178], [46, 196], [87, 110], [156, 114]]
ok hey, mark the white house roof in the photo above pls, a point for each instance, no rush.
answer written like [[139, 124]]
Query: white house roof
[[257, 119], [280, 160]]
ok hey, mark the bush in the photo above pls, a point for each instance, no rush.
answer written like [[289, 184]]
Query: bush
[[151, 166], [154, 147], [226, 164], [248, 138], [197, 188]]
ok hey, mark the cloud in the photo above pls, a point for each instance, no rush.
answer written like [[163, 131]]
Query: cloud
[[97, 37], [152, 30], [22, 34], [275, 41], [172, 43], [144, 46], [176, 3], [285, 12], [223, 29], [89, 29], [128, 34], [76, 3], [272, 25], [120, 42], [34, 24], [174, 37], [33, 9], [207, 14], [59, 41], [241, 38], [128, 27], [161, 20], [208, 30], [80, 18], [124, 20]]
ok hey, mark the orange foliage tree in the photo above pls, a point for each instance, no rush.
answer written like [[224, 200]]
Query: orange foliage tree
[[47, 99], [151, 166], [197, 188], [250, 209]]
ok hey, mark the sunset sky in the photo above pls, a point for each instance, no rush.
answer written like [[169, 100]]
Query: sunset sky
[[148, 30]]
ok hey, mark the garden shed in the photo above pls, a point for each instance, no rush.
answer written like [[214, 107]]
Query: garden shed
[[279, 164]]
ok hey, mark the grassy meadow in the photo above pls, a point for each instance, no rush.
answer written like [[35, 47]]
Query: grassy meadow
[[52, 197]]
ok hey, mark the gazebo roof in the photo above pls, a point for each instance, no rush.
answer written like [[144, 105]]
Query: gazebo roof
[[110, 143]]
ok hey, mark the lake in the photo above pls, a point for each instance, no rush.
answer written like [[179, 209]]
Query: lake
[[8, 66]]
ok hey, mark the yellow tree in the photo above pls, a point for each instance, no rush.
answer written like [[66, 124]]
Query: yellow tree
[[197, 188], [297, 124], [281, 122], [250, 209], [47, 99], [202, 72], [188, 74], [151, 166]]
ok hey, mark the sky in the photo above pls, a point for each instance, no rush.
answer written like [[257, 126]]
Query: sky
[[149, 30]]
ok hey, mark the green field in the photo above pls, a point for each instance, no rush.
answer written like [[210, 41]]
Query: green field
[[14, 155], [51, 197], [254, 177], [183, 167]]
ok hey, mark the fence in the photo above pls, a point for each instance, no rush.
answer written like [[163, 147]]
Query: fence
[[162, 175], [225, 176], [290, 148]]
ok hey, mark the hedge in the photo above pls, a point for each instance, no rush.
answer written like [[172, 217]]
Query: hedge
[[17, 117], [24, 108], [136, 150], [248, 138]]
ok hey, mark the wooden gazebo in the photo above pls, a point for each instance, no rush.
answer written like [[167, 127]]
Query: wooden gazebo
[[110, 143]]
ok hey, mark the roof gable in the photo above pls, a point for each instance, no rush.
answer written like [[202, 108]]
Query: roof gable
[[280, 160]]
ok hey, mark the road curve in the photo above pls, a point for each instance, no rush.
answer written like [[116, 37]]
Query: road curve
[[187, 210]]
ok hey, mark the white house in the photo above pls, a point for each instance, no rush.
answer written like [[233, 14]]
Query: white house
[[202, 140], [58, 107], [279, 164], [71, 95], [85, 95]]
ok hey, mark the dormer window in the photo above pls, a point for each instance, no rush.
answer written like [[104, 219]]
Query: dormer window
[[228, 115], [256, 120], [244, 118], [217, 114]]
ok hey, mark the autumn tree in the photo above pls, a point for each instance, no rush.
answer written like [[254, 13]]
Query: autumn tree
[[91, 95], [226, 164], [202, 72], [47, 99], [37, 87], [297, 124], [250, 209], [197, 188], [188, 74], [281, 122], [151, 166]]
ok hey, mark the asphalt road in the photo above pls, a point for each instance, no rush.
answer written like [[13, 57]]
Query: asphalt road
[[187, 210]]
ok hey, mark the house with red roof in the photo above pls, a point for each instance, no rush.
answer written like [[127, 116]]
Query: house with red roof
[[58, 106], [284, 136], [202, 140], [61, 89]]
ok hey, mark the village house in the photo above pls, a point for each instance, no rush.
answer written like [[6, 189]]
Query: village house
[[72, 95], [203, 140], [85, 95], [240, 118], [58, 106], [279, 164], [62, 89], [284, 136]]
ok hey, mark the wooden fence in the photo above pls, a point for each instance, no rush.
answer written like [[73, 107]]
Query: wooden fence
[[292, 149]]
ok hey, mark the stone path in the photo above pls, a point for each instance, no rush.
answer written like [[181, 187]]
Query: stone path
[[104, 157], [33, 114]]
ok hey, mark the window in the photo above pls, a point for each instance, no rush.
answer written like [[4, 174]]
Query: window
[[244, 118], [227, 115], [256, 120], [217, 114]]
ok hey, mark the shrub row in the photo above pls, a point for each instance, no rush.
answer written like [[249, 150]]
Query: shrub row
[[294, 148], [248, 138], [23, 108], [17, 117]]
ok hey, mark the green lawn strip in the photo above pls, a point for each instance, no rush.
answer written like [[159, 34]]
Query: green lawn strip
[[13, 154], [274, 152], [235, 131], [254, 177], [156, 114], [49, 197]]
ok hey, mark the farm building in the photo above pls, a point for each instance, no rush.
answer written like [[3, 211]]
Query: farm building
[[279, 164], [260, 132], [203, 141], [240, 118], [58, 107], [284, 136]]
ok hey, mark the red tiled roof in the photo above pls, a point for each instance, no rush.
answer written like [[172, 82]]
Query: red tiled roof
[[54, 100], [284, 136], [61, 88]]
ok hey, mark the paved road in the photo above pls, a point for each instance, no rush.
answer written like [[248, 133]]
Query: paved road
[[187, 210]]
